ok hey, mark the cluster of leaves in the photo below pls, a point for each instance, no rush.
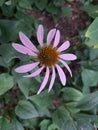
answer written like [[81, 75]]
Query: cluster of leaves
[[65, 108], [53, 7]]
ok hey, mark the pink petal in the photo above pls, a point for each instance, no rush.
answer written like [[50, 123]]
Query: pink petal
[[57, 38], [65, 64], [50, 36], [25, 40], [52, 79], [26, 68], [61, 74], [95, 127], [44, 81], [23, 49], [68, 56], [64, 46], [37, 72], [40, 35]]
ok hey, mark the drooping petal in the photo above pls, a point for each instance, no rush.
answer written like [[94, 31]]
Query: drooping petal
[[37, 72], [25, 40], [57, 38], [40, 35], [50, 36], [64, 46], [65, 64], [61, 74], [68, 56], [95, 127], [26, 68], [52, 79], [23, 49], [44, 81]]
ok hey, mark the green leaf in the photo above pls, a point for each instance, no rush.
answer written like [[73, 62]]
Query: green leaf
[[2, 62], [8, 30], [53, 127], [9, 2], [7, 52], [26, 85], [89, 77], [71, 106], [86, 121], [4, 123], [67, 11], [51, 8], [92, 33], [88, 102], [71, 94], [69, 125], [26, 4], [60, 117], [58, 2], [55, 11], [6, 83], [88, 117], [41, 4], [43, 99], [93, 54], [44, 124], [85, 124], [8, 9], [91, 10], [96, 46], [16, 125], [42, 102], [28, 19], [1, 2], [26, 110], [30, 123], [25, 27]]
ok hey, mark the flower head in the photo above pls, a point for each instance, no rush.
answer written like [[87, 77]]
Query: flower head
[[48, 56]]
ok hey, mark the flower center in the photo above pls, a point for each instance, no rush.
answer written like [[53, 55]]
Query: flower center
[[48, 56]]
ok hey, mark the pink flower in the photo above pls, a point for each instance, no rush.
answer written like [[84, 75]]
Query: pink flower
[[48, 56]]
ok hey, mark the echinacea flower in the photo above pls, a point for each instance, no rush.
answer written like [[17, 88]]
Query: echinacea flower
[[48, 56]]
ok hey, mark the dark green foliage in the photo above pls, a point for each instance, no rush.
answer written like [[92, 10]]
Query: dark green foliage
[[69, 107]]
